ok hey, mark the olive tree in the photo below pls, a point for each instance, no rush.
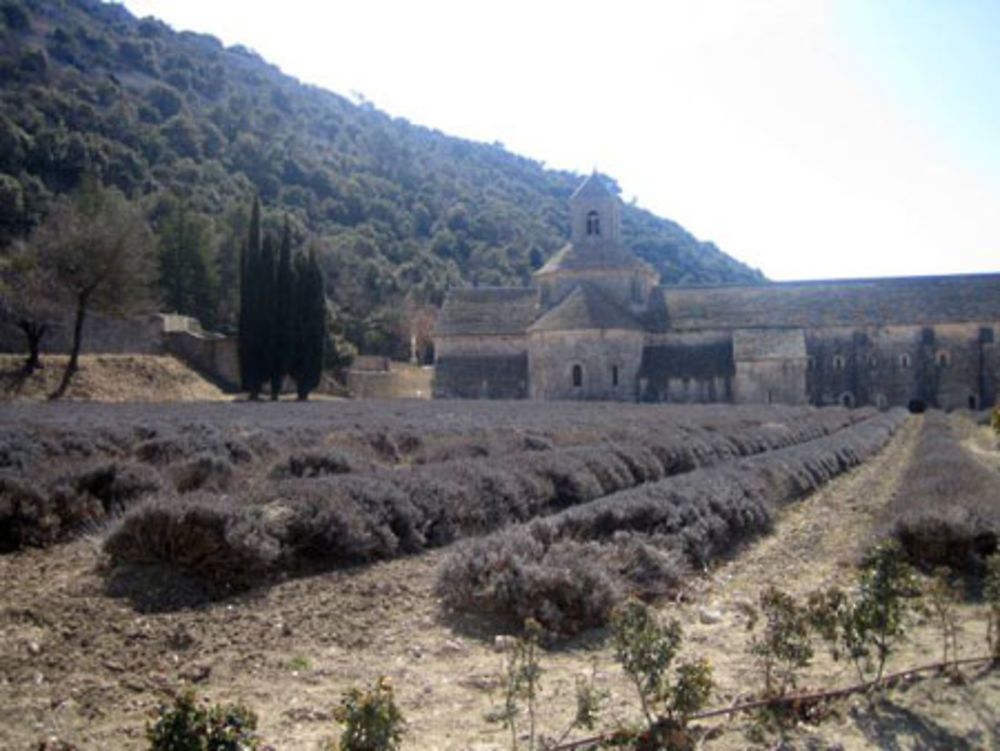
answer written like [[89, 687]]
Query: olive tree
[[100, 255], [25, 299]]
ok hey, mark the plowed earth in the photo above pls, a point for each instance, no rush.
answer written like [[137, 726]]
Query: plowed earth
[[86, 666]]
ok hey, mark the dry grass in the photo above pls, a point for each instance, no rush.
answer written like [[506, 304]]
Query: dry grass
[[108, 378]]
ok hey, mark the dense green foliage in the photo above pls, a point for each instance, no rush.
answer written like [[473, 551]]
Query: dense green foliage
[[400, 212], [190, 725], [371, 719]]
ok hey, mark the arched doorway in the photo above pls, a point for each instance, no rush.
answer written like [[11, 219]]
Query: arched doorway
[[917, 406], [973, 402], [847, 399]]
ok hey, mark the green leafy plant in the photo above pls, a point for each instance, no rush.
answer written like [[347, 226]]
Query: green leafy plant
[[299, 663], [866, 626], [995, 420], [646, 650], [784, 643], [371, 720], [520, 679], [190, 725]]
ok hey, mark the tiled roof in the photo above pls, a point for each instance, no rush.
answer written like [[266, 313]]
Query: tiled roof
[[593, 188], [851, 302], [592, 255], [487, 310], [586, 308]]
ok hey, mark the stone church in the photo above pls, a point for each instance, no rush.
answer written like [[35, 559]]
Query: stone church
[[598, 325]]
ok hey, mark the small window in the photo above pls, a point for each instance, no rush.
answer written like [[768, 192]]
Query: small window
[[636, 290], [614, 376], [839, 362], [904, 361], [973, 402], [943, 359], [811, 363], [873, 362], [847, 399], [593, 223], [577, 376]]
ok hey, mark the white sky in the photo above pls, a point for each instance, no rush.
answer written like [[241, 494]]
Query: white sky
[[807, 138]]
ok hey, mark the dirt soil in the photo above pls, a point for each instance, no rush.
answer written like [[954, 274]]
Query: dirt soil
[[108, 378], [80, 664]]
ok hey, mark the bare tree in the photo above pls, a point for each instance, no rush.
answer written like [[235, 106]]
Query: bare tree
[[100, 254], [26, 300]]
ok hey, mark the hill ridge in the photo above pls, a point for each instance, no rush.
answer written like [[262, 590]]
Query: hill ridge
[[399, 212]]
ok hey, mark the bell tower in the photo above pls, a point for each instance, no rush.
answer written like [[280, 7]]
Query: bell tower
[[595, 214]]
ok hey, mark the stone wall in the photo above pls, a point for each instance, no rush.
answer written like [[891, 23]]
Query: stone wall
[[608, 363], [101, 335], [687, 368], [480, 367], [948, 366], [400, 381], [213, 355], [771, 366]]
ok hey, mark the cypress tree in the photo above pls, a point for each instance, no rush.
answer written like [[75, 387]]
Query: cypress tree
[[266, 310], [283, 330], [249, 316], [310, 325]]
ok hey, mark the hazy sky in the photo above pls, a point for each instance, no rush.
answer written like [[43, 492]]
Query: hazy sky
[[806, 138]]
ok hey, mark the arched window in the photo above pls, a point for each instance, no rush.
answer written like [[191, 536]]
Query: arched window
[[577, 376], [973, 401], [943, 359], [839, 362], [904, 360], [593, 223], [847, 399], [614, 376]]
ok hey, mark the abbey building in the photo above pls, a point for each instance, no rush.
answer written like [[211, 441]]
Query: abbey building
[[598, 325]]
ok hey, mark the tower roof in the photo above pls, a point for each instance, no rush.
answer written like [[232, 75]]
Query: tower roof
[[593, 256], [586, 308], [593, 188]]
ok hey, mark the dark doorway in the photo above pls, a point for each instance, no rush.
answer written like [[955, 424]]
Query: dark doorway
[[973, 402], [916, 406]]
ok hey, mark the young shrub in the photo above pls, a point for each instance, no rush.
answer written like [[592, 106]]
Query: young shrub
[[867, 626], [941, 595], [991, 596], [371, 719], [646, 650], [520, 676], [784, 644], [190, 725]]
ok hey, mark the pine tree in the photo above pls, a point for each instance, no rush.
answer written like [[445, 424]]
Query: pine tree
[[187, 274], [283, 331], [310, 325]]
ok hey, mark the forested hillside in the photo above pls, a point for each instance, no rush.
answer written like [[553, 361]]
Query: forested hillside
[[397, 213]]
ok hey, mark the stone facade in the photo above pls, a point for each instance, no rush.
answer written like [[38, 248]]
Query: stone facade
[[598, 326]]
